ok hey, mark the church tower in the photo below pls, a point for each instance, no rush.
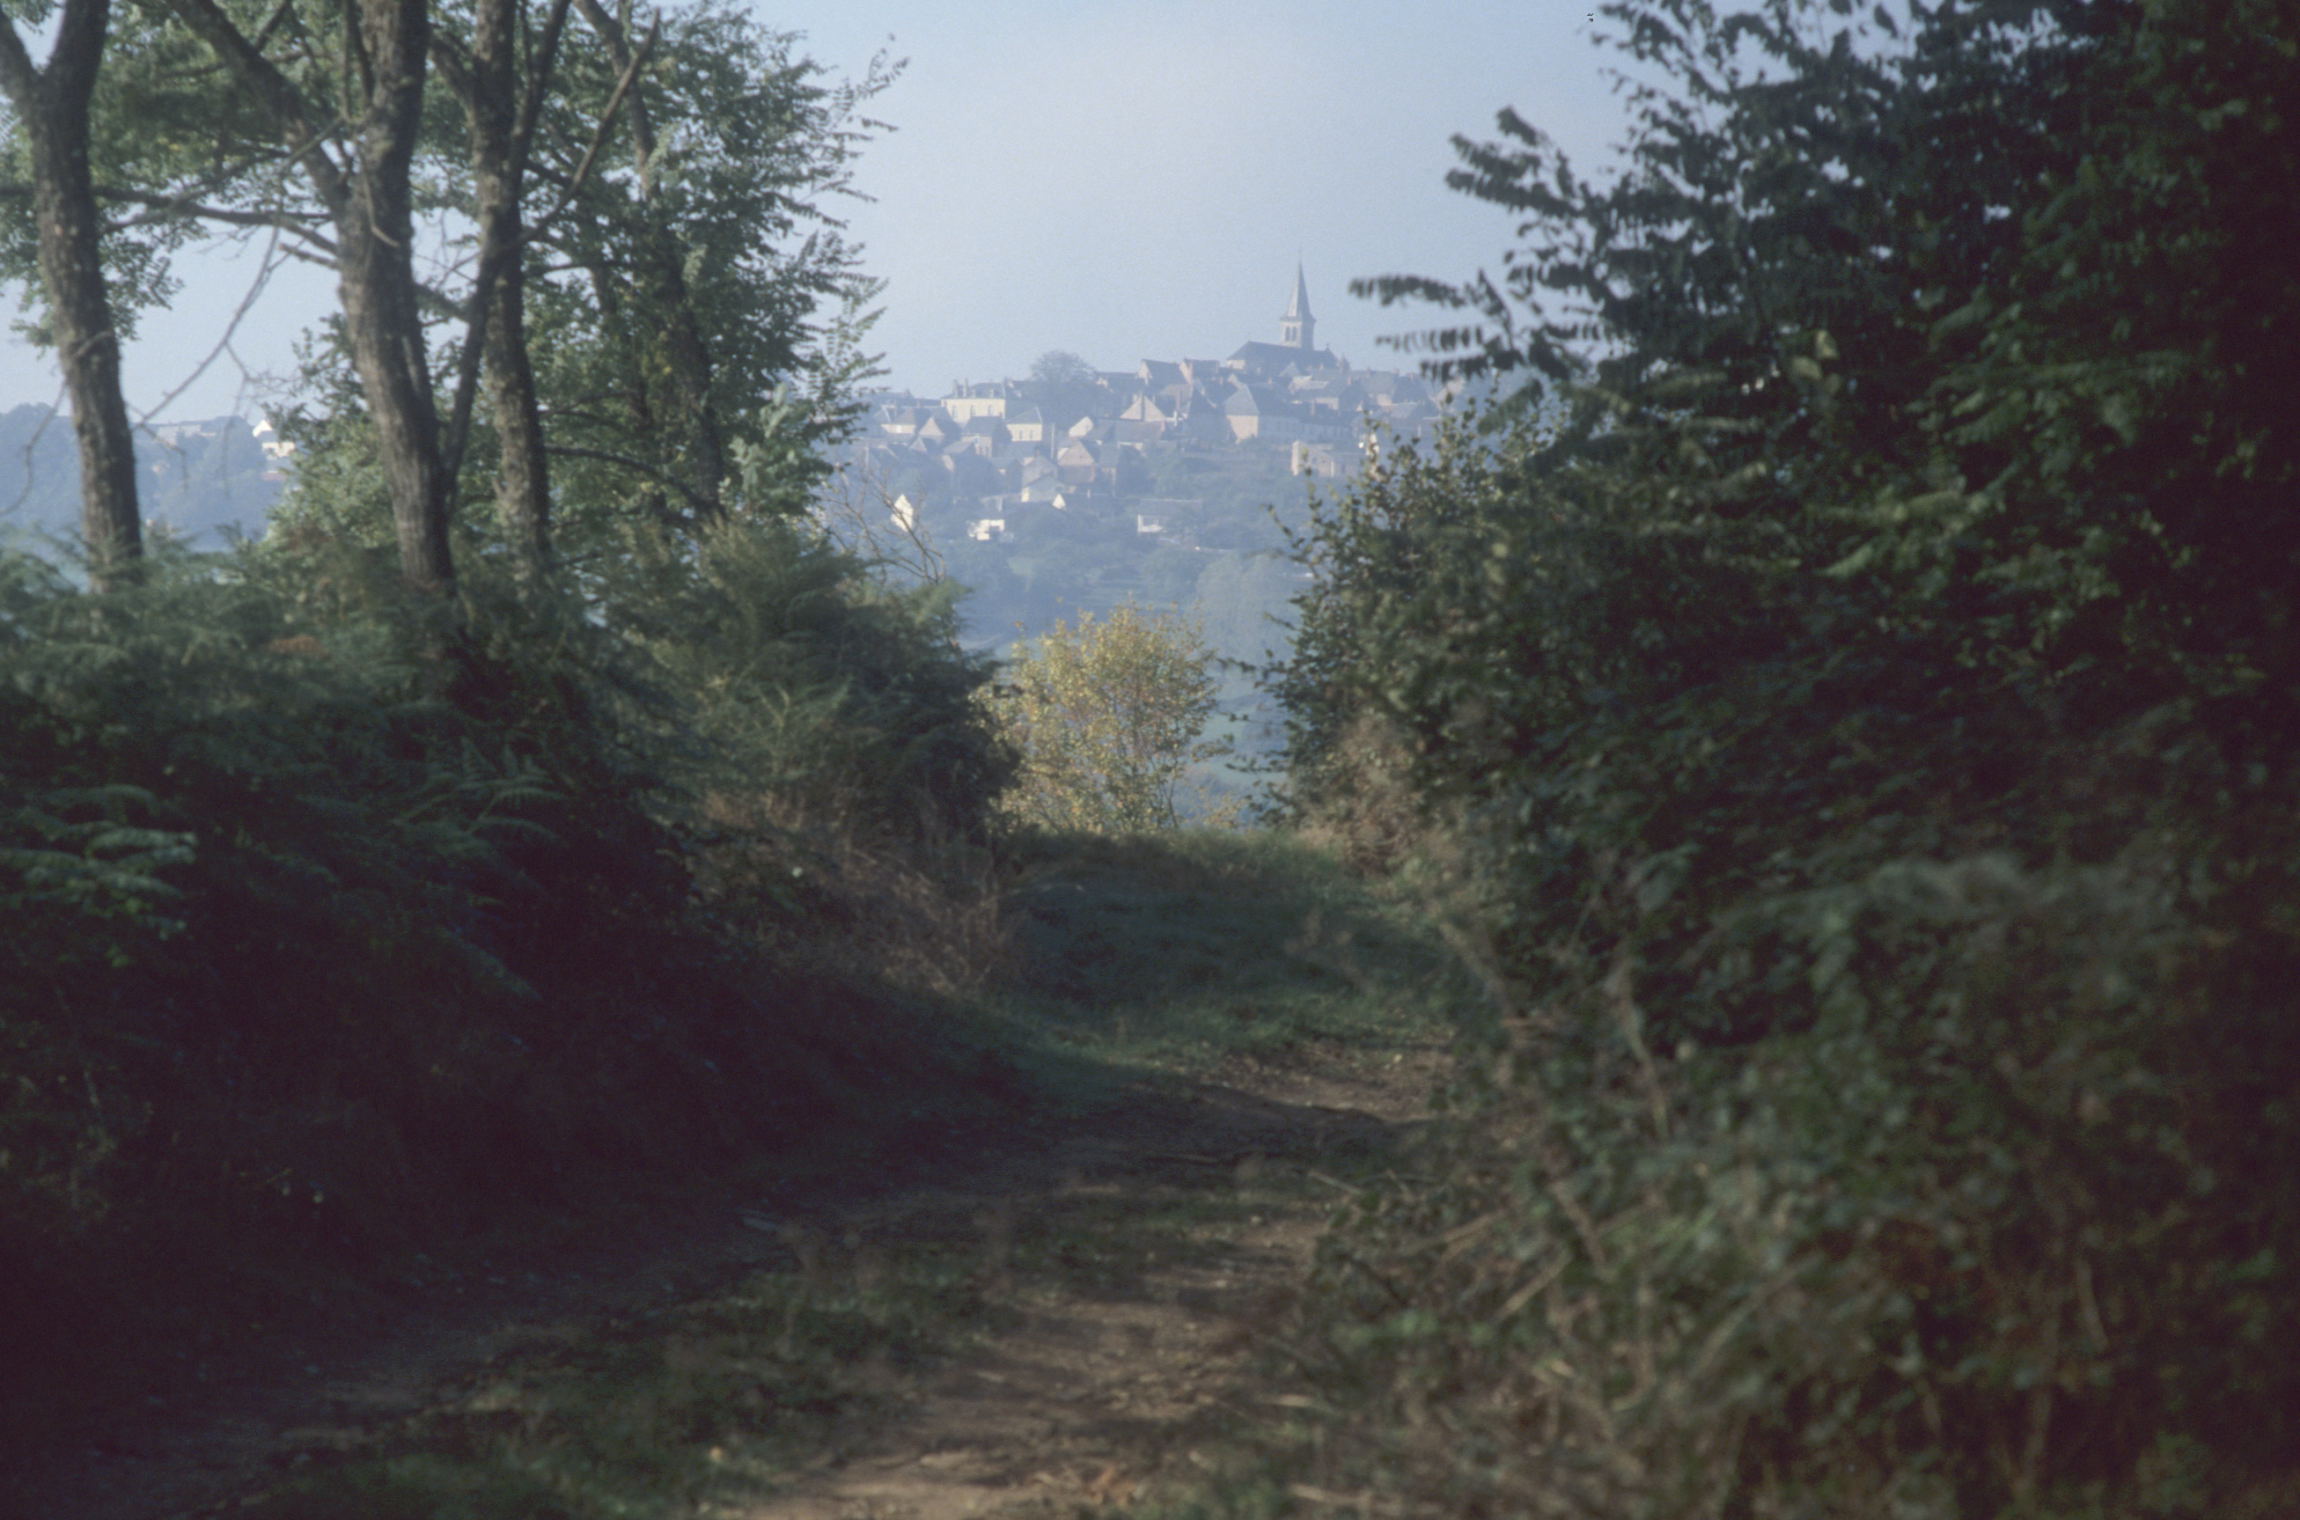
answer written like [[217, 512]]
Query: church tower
[[1297, 328]]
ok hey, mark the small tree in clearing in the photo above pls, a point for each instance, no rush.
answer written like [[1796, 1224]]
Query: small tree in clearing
[[1108, 718]]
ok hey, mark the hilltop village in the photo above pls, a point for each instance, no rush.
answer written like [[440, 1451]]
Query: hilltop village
[[1167, 450]]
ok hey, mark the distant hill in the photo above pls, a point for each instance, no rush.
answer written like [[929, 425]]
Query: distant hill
[[197, 478]]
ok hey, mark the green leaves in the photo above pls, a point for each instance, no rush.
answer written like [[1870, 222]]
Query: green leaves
[[75, 849], [1108, 717], [1847, 696]]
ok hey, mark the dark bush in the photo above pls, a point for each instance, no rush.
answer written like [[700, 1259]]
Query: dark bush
[[1863, 775], [321, 930]]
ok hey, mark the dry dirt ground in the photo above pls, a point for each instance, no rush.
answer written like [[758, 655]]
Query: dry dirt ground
[[1085, 1396], [1093, 1396]]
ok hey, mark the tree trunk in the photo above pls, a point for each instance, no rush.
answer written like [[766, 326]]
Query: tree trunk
[[376, 279], [523, 479], [638, 401], [53, 105], [371, 206]]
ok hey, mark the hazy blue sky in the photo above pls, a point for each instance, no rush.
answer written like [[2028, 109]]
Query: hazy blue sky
[[1122, 180]]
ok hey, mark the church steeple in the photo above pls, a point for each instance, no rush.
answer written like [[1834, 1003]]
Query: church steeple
[[1297, 328]]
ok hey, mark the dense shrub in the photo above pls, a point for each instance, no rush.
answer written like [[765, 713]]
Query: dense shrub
[[1864, 761], [1982, 1237], [317, 924]]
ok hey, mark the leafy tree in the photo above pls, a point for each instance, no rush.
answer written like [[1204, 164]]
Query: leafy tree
[[2122, 472], [1882, 293], [681, 289], [1108, 716], [371, 116], [501, 101], [1059, 366], [1063, 385], [649, 223]]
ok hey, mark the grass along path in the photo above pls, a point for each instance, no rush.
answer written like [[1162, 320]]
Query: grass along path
[[1215, 1037]]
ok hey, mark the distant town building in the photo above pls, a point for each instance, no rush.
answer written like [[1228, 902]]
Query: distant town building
[[267, 437], [967, 402], [1297, 328], [1005, 457]]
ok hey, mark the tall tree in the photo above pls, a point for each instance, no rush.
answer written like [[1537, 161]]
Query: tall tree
[[501, 114], [686, 357], [691, 244], [52, 102], [1064, 385], [368, 196]]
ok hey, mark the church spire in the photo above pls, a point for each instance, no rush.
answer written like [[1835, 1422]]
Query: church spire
[[1297, 328]]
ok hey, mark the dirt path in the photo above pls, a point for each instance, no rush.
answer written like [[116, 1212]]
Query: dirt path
[[1093, 1395], [1087, 1389], [1041, 1311]]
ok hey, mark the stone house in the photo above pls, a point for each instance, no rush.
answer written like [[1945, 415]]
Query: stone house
[[1027, 425], [966, 402], [1258, 411], [1079, 461]]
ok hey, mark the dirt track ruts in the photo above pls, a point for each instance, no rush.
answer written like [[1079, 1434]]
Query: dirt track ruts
[[1076, 1404]]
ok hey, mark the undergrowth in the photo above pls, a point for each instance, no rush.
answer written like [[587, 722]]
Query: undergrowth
[[1854, 751], [326, 927], [1995, 1231]]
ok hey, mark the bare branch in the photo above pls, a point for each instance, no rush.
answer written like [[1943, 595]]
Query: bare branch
[[539, 72], [272, 256], [849, 496], [162, 207]]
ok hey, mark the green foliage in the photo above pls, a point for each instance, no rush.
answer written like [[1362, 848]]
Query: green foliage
[[143, 98], [331, 915], [297, 952], [824, 746], [1958, 1248], [1107, 718], [728, 232], [806, 678], [1850, 735], [2110, 463]]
